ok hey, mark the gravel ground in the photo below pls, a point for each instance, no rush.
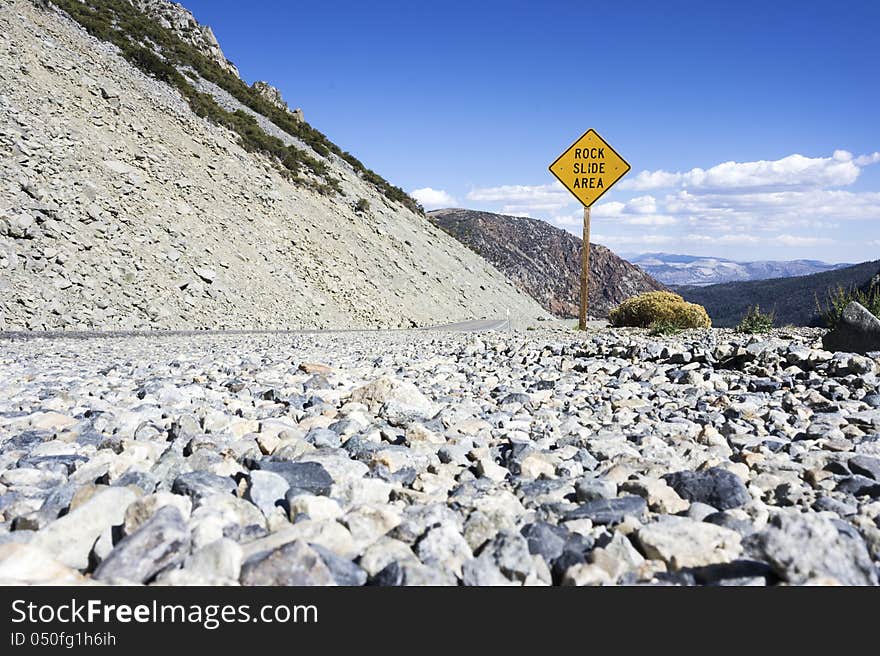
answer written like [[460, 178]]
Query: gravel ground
[[389, 458]]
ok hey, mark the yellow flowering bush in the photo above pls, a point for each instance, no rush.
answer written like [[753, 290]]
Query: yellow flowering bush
[[659, 309]]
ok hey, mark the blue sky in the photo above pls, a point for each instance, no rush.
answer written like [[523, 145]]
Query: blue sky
[[751, 127]]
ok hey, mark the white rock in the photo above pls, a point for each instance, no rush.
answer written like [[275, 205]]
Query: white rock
[[682, 542], [70, 538]]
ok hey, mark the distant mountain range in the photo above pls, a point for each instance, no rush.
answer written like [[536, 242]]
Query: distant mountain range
[[545, 262], [673, 269], [792, 299]]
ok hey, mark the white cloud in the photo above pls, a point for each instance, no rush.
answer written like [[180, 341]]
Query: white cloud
[[773, 210], [641, 210], [518, 192], [569, 220], [530, 209], [643, 205], [651, 180], [432, 199], [794, 171], [867, 160], [796, 240], [629, 240], [729, 239], [794, 203], [525, 199]]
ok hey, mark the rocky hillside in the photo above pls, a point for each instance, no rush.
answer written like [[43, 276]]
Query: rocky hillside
[[545, 262], [144, 185], [793, 300], [693, 270]]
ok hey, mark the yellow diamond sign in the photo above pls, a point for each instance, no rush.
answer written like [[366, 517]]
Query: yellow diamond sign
[[589, 167]]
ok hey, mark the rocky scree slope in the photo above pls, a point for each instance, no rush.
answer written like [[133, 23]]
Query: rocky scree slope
[[414, 458], [545, 262], [121, 208]]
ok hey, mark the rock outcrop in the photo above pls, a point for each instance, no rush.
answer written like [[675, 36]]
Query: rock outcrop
[[545, 261], [178, 18], [274, 96]]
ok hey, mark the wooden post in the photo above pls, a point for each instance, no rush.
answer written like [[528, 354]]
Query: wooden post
[[585, 272]]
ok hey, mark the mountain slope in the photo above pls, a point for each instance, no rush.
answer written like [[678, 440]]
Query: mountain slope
[[673, 269], [792, 299], [122, 208], [544, 261]]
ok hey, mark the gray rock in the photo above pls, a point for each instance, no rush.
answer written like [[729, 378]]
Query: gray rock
[[412, 574], [57, 502], [266, 489], [803, 547], [591, 489], [545, 540], [345, 572], [308, 476], [162, 542], [859, 486], [324, 437], [418, 519], [700, 511], [865, 466], [682, 542], [218, 560], [206, 274], [444, 547], [510, 553], [716, 487], [728, 520], [858, 331], [399, 401], [294, 563], [831, 504], [609, 511], [70, 538], [198, 485], [483, 571]]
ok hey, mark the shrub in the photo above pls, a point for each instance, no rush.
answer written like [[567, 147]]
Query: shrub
[[659, 328], [837, 299], [659, 309], [362, 206], [755, 321]]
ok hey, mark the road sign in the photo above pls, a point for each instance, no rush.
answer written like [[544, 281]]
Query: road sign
[[589, 167]]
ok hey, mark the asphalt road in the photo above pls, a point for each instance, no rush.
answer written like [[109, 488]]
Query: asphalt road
[[476, 325]]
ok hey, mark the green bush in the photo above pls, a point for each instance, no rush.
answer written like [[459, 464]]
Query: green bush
[[659, 310], [838, 298], [362, 206], [755, 321], [661, 328]]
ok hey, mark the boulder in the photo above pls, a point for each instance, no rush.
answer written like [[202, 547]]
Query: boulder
[[161, 542], [801, 548], [858, 331]]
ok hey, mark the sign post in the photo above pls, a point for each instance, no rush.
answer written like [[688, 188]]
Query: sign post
[[584, 314], [587, 169]]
